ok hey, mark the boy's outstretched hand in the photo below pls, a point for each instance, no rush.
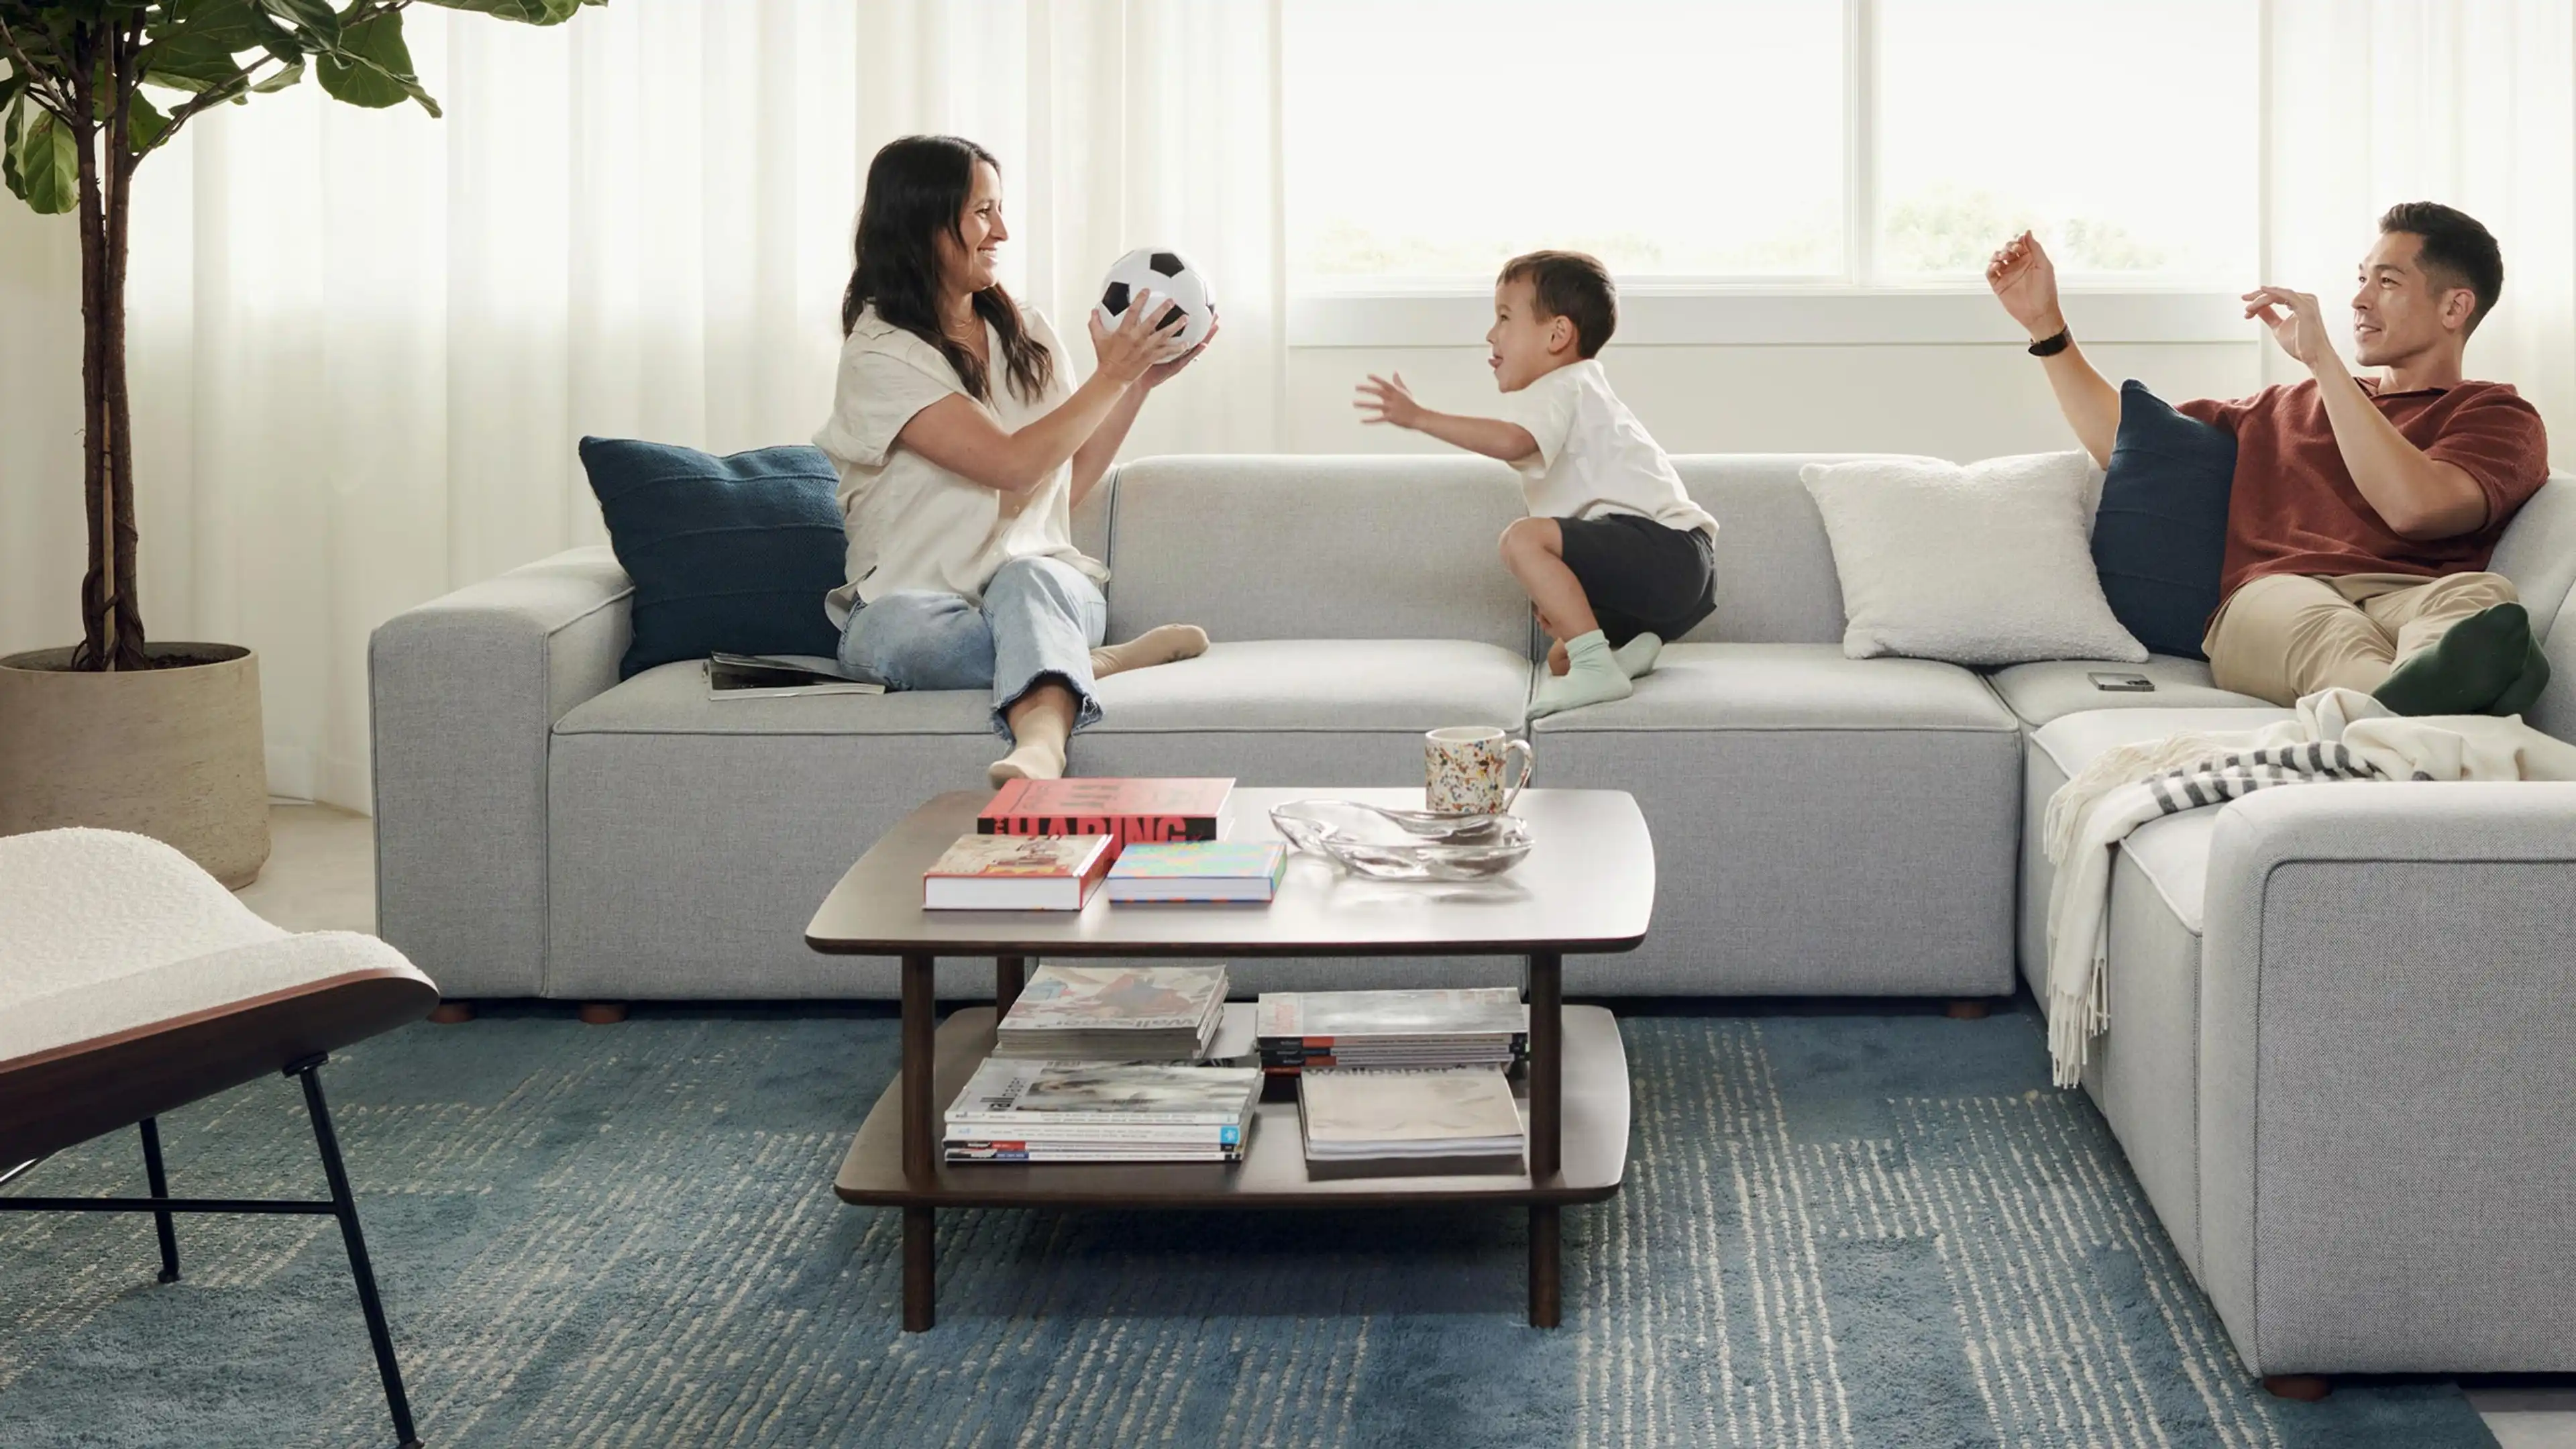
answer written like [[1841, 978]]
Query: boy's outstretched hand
[[1387, 400]]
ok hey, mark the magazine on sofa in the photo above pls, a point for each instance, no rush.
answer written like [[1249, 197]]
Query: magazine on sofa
[[773, 676]]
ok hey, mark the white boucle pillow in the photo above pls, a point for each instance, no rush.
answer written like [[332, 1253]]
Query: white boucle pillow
[[1990, 563]]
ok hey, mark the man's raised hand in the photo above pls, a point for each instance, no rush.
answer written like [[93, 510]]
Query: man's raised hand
[[2025, 281], [2297, 323], [1387, 400]]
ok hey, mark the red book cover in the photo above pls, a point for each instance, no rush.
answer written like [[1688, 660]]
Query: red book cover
[[1127, 810]]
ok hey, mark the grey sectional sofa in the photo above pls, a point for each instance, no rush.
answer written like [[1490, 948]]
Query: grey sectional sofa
[[2342, 1039]]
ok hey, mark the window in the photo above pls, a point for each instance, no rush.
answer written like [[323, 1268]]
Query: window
[[1842, 143]]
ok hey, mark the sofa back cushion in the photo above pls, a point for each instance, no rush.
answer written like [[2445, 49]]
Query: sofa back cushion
[[2538, 552], [1775, 568], [1302, 547]]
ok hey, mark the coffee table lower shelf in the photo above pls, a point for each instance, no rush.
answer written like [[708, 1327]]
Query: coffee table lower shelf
[[1273, 1174]]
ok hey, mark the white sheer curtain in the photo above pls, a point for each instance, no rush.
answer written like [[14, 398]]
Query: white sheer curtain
[[2467, 102], [365, 343]]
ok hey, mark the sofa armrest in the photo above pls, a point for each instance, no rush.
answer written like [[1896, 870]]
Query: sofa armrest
[[465, 690], [2388, 1050]]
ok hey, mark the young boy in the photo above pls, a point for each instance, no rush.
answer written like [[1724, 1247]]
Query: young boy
[[1614, 555]]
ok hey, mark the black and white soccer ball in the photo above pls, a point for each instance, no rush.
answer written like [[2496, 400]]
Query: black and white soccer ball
[[1168, 275]]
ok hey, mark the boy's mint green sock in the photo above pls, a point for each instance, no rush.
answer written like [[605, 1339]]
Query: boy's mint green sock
[[1637, 656], [1594, 678]]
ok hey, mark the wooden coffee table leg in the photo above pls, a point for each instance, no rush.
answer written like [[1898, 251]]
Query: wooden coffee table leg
[[1010, 973], [1546, 1295], [920, 1269], [1547, 1101], [920, 1145]]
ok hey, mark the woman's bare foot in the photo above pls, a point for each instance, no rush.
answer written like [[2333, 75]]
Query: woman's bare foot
[[1162, 644], [1557, 660], [1034, 759]]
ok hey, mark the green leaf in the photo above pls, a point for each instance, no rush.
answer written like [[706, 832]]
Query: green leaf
[[526, 12], [44, 163], [144, 125], [9, 154], [314, 17], [378, 71], [281, 80]]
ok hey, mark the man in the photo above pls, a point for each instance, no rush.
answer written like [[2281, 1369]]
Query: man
[[2364, 510]]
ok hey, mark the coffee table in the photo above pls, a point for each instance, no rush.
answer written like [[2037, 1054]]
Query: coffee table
[[1587, 886]]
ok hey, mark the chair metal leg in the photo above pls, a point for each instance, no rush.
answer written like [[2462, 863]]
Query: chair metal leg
[[160, 1182], [344, 1206]]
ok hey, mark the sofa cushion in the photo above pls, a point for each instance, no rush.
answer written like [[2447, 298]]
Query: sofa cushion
[[2172, 852], [672, 700], [2053, 688], [1775, 568], [1791, 687], [1823, 825], [732, 553], [1316, 548], [1301, 711]]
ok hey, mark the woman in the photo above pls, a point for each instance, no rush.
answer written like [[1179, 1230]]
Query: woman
[[963, 448]]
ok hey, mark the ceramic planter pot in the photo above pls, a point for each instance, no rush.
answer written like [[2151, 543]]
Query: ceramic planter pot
[[172, 752]]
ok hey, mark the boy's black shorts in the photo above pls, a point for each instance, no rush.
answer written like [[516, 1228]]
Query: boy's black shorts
[[1640, 576]]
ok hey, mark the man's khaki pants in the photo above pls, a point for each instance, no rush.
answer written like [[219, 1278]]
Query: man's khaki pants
[[2283, 636]]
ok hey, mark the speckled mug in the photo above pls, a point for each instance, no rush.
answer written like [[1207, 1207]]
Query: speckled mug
[[1465, 768]]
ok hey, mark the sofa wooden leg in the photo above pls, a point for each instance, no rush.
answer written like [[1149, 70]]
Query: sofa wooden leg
[[2305, 1388], [450, 1013], [1965, 1008], [603, 1013]]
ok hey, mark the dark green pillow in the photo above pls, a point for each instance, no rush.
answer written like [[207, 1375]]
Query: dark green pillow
[[2160, 536], [732, 553]]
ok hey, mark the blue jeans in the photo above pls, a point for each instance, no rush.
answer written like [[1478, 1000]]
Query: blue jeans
[[1040, 621]]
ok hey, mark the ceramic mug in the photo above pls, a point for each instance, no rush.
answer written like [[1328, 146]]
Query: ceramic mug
[[1465, 770]]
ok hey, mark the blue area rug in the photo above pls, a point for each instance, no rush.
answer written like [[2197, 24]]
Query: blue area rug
[[1837, 1230]]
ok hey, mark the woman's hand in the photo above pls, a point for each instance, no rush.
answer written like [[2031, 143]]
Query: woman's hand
[[1388, 400], [1125, 353], [1163, 372]]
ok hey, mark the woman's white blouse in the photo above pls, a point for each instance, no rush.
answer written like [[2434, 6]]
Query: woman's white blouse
[[912, 524]]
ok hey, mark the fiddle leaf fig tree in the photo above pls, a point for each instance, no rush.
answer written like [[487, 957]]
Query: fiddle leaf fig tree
[[91, 88]]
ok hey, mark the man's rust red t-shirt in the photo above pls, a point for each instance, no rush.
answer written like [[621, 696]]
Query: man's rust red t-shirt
[[2296, 510]]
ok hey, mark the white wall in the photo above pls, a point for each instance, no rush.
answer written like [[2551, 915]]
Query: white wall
[[1958, 401]]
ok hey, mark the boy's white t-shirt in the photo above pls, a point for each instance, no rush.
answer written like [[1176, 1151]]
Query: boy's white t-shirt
[[1593, 456], [912, 524]]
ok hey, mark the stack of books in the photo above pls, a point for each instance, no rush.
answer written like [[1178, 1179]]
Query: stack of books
[[1208, 871], [1019, 1111], [1463, 1026], [1429, 1119], [1114, 1014]]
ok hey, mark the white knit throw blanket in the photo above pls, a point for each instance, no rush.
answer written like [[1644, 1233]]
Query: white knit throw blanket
[[2338, 734]]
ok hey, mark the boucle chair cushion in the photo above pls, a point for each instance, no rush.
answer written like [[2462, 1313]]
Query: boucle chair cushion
[[109, 932]]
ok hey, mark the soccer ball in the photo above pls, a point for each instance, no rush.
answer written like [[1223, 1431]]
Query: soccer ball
[[1167, 274]]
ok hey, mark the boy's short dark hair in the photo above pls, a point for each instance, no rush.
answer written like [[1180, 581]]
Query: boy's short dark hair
[[2458, 252], [1577, 288]]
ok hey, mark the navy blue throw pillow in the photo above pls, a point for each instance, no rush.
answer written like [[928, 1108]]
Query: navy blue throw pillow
[[732, 553], [2160, 536]]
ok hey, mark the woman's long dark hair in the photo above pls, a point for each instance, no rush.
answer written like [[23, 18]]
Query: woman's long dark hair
[[917, 188]]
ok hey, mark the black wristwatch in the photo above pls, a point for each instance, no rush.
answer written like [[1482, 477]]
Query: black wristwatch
[[2053, 345]]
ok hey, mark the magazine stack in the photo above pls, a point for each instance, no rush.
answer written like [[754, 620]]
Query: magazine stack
[[1023, 1111], [1467, 1026], [1426, 1119], [1114, 1014]]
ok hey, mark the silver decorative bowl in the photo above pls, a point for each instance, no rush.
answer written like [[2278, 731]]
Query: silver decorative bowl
[[1404, 844]]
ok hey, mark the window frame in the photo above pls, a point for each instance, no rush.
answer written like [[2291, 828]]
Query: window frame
[[1855, 307]]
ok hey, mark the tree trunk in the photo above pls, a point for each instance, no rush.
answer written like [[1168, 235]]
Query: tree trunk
[[128, 625], [99, 645]]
